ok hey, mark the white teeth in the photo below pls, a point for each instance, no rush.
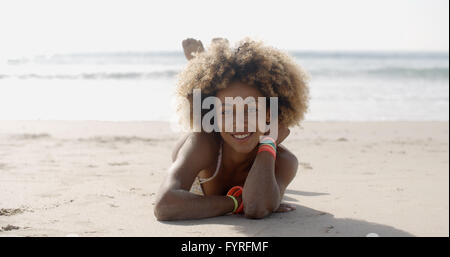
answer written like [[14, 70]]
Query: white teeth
[[241, 136]]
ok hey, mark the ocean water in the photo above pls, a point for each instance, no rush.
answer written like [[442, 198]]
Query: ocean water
[[345, 86]]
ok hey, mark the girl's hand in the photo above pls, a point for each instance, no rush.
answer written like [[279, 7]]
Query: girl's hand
[[285, 207]]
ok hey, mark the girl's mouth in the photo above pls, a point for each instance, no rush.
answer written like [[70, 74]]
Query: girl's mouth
[[241, 136]]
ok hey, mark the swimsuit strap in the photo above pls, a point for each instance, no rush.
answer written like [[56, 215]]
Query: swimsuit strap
[[219, 162]]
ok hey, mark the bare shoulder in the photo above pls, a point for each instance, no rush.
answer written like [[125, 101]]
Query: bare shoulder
[[199, 147], [195, 152], [286, 157], [286, 163]]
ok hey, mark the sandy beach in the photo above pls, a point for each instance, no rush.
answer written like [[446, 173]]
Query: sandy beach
[[90, 178]]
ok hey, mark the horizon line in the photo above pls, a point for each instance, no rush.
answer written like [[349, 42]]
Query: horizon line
[[172, 51]]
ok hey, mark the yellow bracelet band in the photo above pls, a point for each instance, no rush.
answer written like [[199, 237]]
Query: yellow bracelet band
[[236, 204]]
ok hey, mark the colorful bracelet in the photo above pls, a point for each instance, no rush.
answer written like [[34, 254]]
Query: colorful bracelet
[[268, 139], [236, 204], [266, 148], [268, 144], [235, 192]]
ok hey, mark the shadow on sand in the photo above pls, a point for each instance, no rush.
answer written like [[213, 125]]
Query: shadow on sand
[[302, 222]]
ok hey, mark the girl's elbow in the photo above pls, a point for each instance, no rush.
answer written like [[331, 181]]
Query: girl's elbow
[[162, 210], [164, 213], [256, 212]]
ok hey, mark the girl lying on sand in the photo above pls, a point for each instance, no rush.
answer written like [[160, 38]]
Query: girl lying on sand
[[218, 173]]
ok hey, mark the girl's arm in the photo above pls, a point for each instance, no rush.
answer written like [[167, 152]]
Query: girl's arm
[[267, 181], [174, 201]]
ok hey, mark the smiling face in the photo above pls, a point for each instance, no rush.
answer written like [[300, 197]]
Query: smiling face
[[246, 141]]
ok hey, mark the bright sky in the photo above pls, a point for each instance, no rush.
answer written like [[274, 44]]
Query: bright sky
[[47, 26]]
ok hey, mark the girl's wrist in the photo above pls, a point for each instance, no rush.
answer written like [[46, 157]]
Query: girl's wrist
[[235, 202], [235, 193], [268, 144]]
